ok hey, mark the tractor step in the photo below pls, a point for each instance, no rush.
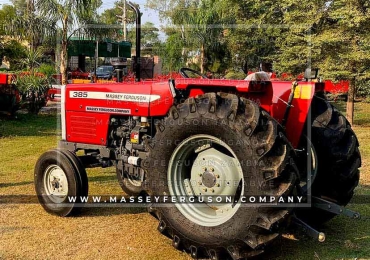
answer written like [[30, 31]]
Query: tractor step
[[334, 208]]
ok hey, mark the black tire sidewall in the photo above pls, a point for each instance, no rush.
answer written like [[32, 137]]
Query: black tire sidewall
[[236, 227], [58, 158]]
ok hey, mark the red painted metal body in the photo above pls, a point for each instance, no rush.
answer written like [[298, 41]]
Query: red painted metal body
[[89, 107], [87, 117], [9, 95], [340, 87]]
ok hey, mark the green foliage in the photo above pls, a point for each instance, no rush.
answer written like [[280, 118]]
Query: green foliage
[[14, 53], [47, 69], [235, 75], [33, 88], [255, 26], [7, 14], [67, 13], [171, 53], [149, 33], [31, 82], [363, 88], [112, 16], [198, 28], [32, 59]]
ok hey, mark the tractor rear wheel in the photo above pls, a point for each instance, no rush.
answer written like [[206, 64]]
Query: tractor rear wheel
[[338, 159], [219, 145], [60, 175]]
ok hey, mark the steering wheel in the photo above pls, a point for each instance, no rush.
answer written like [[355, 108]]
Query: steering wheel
[[184, 74]]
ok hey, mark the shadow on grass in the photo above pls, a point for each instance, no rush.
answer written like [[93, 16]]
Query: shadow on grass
[[29, 125], [105, 178], [14, 184], [111, 211]]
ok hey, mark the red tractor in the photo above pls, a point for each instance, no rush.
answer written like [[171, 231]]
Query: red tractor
[[201, 137], [182, 142], [9, 94]]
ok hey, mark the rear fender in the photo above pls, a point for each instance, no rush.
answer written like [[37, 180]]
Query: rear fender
[[301, 104], [257, 91]]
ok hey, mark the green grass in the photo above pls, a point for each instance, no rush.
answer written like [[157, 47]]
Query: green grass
[[28, 232]]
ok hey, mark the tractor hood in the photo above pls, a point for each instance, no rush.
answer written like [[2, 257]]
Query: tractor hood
[[136, 99]]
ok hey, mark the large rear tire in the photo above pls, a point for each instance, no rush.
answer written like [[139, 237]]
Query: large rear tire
[[242, 152], [338, 159]]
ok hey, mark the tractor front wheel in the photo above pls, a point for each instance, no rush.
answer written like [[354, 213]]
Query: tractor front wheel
[[60, 182]]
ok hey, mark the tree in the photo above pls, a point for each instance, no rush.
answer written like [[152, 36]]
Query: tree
[[25, 24], [112, 16], [32, 59], [68, 13], [14, 53], [331, 35], [345, 44], [7, 14], [255, 26], [200, 26], [171, 52]]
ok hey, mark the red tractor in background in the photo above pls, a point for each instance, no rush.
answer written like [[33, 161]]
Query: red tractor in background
[[9, 94], [204, 138]]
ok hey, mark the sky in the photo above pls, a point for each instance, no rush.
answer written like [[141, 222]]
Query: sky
[[148, 14]]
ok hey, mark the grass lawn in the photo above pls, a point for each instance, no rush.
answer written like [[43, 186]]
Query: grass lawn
[[28, 232]]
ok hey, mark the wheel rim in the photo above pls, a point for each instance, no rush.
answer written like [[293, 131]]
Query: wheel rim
[[203, 166], [312, 169], [55, 183]]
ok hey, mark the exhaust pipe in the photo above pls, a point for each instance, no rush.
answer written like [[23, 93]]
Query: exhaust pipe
[[138, 41]]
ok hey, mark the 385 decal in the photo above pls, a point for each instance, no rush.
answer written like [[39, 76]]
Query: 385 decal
[[78, 94]]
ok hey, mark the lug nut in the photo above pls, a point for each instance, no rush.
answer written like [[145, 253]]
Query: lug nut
[[200, 174], [212, 190], [218, 185], [205, 190], [217, 176], [212, 170], [199, 182]]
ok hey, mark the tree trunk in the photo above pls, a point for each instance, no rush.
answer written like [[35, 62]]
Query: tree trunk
[[350, 102], [63, 52], [202, 56]]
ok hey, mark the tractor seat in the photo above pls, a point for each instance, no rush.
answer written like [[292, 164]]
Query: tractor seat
[[258, 76]]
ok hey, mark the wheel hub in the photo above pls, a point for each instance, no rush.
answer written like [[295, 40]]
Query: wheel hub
[[208, 179], [55, 183], [215, 173]]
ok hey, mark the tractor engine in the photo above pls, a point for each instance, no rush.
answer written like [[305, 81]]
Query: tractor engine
[[128, 136]]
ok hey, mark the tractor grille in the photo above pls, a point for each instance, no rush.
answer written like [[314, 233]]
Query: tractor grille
[[83, 127]]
